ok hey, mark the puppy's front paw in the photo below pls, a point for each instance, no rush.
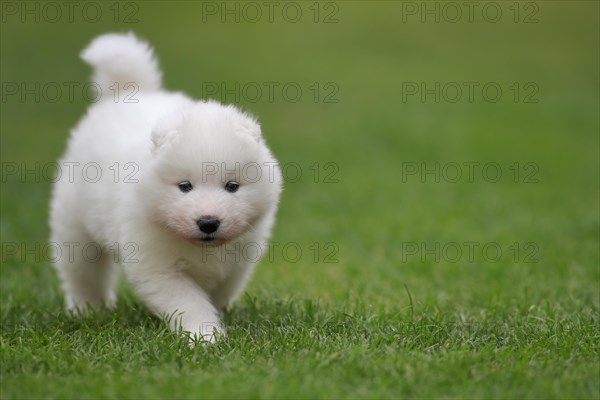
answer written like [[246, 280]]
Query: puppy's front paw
[[209, 333]]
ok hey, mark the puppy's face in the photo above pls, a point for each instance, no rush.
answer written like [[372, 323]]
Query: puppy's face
[[213, 176]]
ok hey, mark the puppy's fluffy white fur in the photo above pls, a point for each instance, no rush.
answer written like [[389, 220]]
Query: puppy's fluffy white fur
[[137, 213]]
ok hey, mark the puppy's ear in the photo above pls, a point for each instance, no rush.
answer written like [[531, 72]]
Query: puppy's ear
[[165, 131], [246, 125], [160, 137]]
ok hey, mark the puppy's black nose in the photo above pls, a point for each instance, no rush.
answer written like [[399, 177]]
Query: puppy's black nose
[[208, 224]]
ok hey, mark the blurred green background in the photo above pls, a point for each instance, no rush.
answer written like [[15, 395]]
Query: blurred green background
[[363, 56]]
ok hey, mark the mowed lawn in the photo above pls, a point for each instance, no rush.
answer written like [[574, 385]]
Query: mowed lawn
[[438, 234]]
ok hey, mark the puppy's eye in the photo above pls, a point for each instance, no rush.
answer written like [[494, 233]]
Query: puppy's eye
[[232, 186], [185, 186]]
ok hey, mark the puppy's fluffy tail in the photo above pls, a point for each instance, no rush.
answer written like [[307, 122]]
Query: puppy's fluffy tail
[[122, 59]]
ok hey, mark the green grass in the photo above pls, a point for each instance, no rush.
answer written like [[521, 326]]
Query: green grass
[[377, 322], [301, 348]]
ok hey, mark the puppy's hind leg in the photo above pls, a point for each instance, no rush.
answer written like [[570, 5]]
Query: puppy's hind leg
[[87, 271]]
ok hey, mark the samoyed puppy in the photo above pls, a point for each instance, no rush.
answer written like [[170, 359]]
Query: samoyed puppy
[[182, 193]]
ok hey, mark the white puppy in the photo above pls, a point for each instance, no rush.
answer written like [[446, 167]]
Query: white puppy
[[183, 193]]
